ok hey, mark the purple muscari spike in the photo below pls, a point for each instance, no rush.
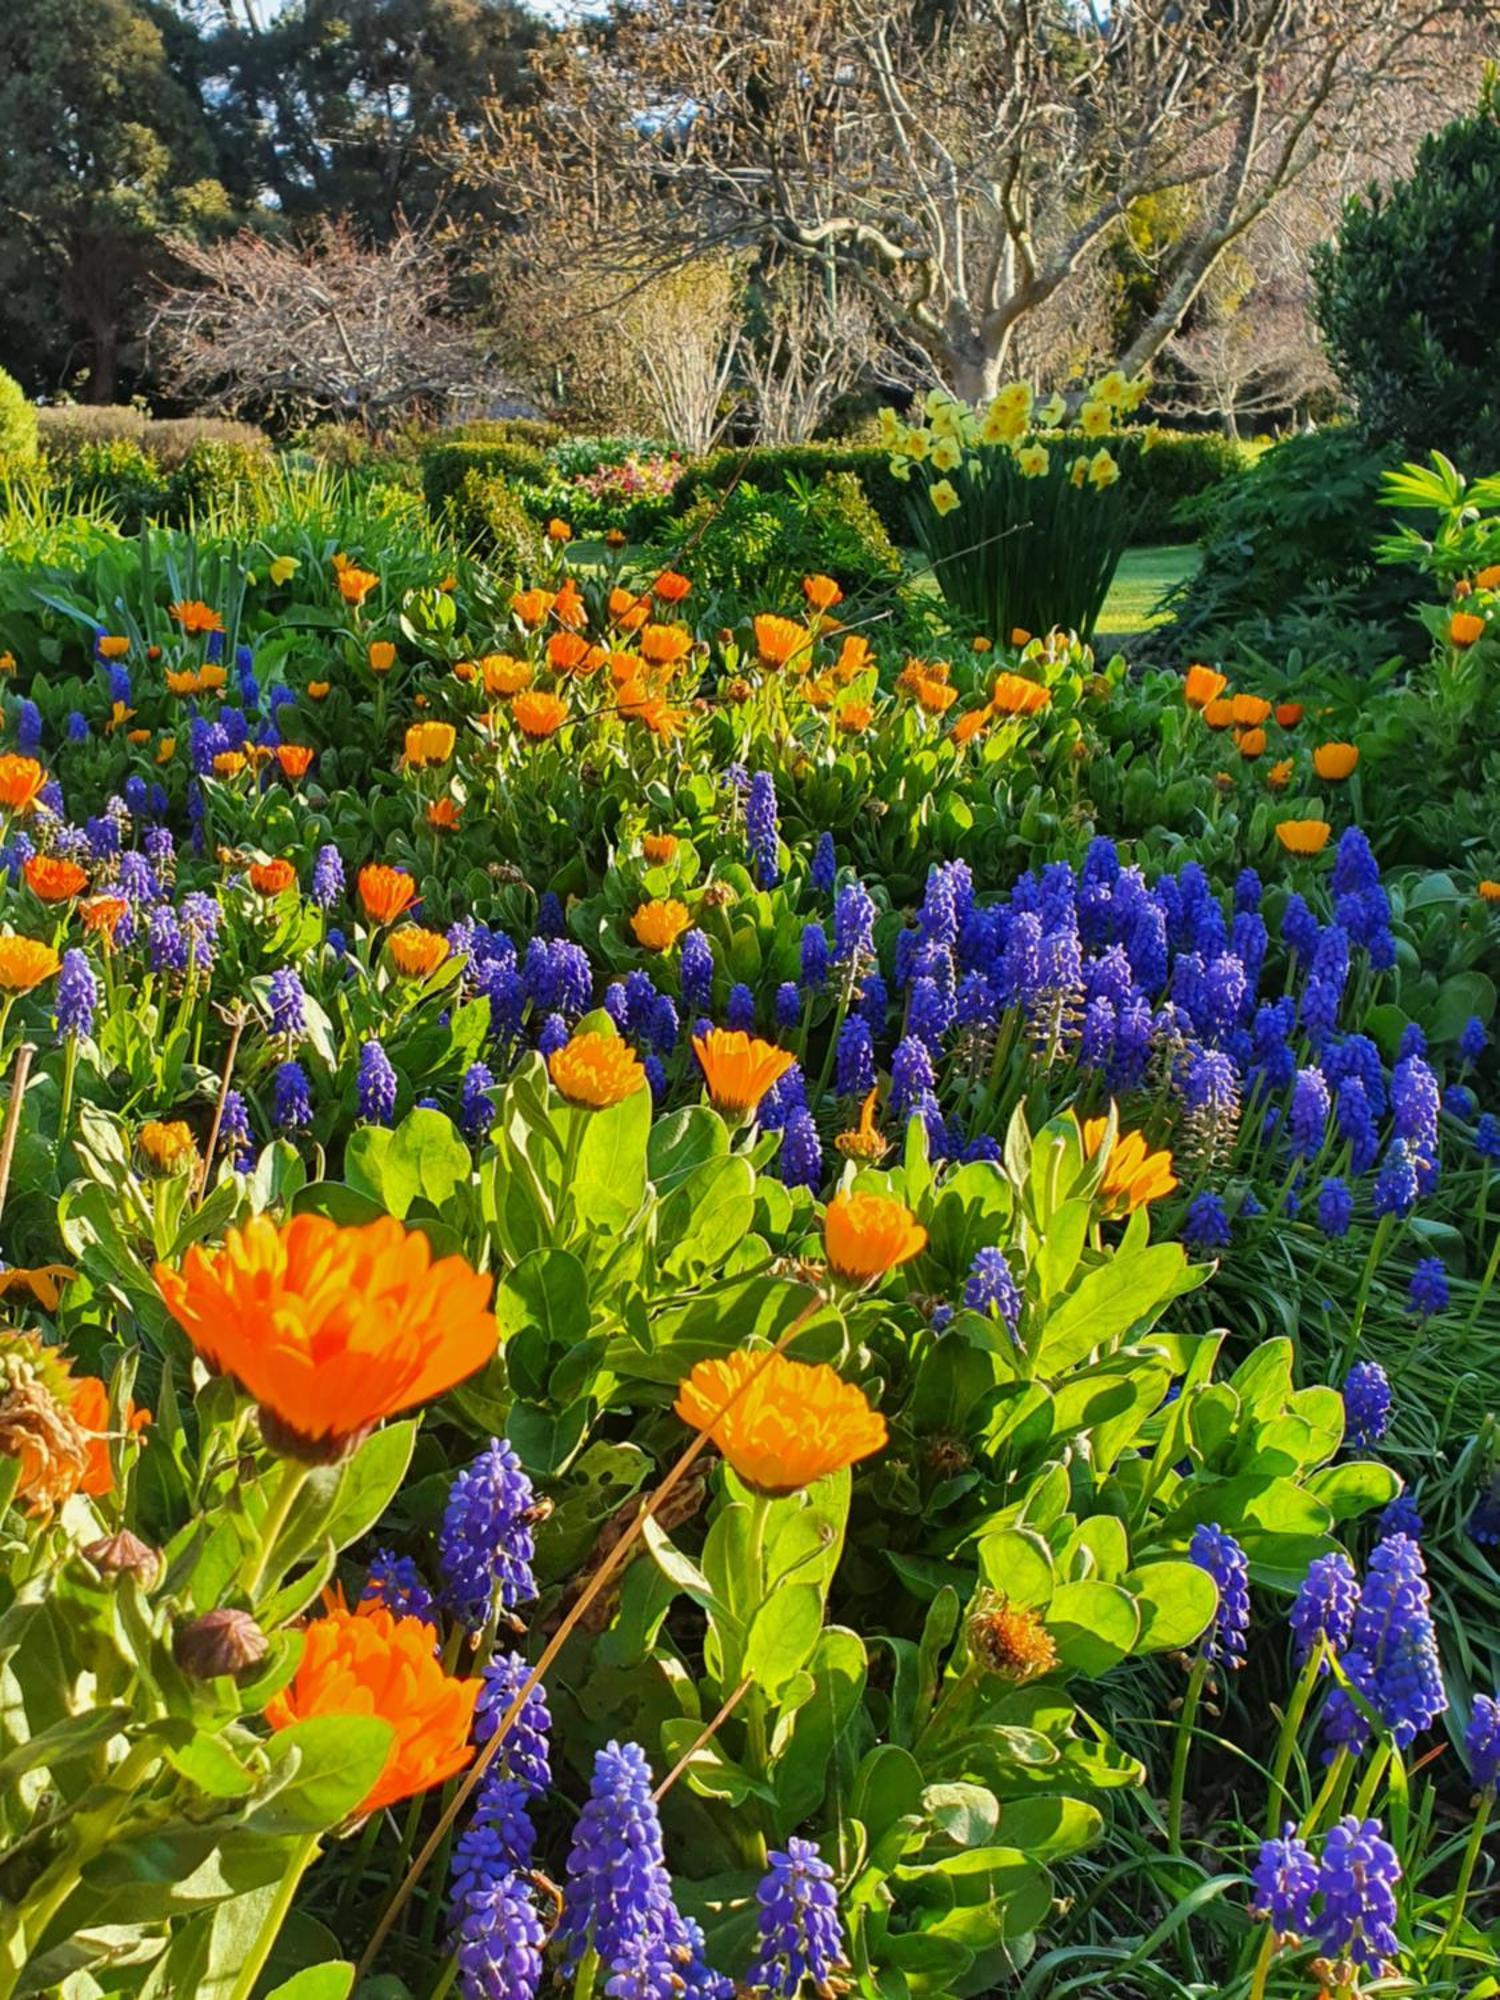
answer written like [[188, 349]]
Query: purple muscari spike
[[551, 922], [1132, 1044], [1020, 962], [855, 1063], [617, 1005], [1482, 1743], [1413, 1043], [1474, 1040], [640, 1003], [1356, 1123], [1250, 941], [656, 1078], [1308, 1123], [573, 976], [907, 944], [524, 1758], [1147, 946], [78, 726], [1335, 1209], [739, 1010], [292, 1100], [165, 941], [1415, 1104], [813, 975], [798, 1934], [1096, 1046], [498, 1937], [1320, 1011], [991, 1288], [1460, 1102], [1247, 890], [938, 917], [376, 1085], [137, 796], [1330, 962], [77, 996], [695, 963], [486, 1547], [1057, 897], [801, 1158], [552, 1035], [1108, 976], [617, 1893], [1400, 1516], [974, 1003], [1207, 1083], [1429, 1289], [929, 1012], [234, 1132], [103, 837], [201, 918], [664, 1029], [1392, 1654], [824, 871], [1355, 868], [788, 1005], [1274, 1022], [1325, 1605], [1101, 864], [396, 1582], [1226, 987], [1357, 1876], [911, 1075], [1487, 1136], [874, 1002], [1223, 1558], [1367, 1404], [762, 830], [287, 1004], [327, 877], [853, 925], [1396, 1185], [1206, 1225], [1300, 929], [500, 984], [1285, 1880], [476, 1108]]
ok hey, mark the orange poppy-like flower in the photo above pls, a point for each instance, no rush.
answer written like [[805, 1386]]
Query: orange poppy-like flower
[[532, 606], [537, 714], [969, 726], [980, 643], [111, 646], [934, 697], [866, 1141], [628, 609], [464, 670], [568, 607], [355, 584], [567, 651], [430, 743], [41, 1282], [169, 1148], [272, 878], [385, 892], [331, 1328], [1251, 742], [821, 592], [855, 717], [738, 1069], [1201, 685], [229, 763], [854, 657], [1489, 892], [659, 848], [558, 531], [780, 640], [1014, 694], [659, 925], [596, 1070], [195, 617], [295, 759], [443, 815], [665, 645], [166, 750], [369, 1662], [1289, 713], [1488, 578], [183, 683], [318, 690], [867, 1235], [781, 1424], [1280, 775], [671, 587], [51, 879], [137, 737], [89, 1408], [415, 953], [1250, 710], [1335, 761], [504, 675], [21, 778], [101, 915], [1019, 636], [1464, 628], [1133, 1174], [211, 678], [380, 655], [1219, 713], [1303, 836]]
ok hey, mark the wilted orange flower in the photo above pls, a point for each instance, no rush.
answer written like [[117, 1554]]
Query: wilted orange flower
[[331, 1328], [1133, 1175], [817, 693], [272, 878], [537, 714], [1250, 710], [659, 925], [596, 1070], [659, 848], [969, 726], [568, 607], [781, 1424], [566, 652], [101, 914], [738, 690], [443, 815], [1014, 694], [369, 1662], [1011, 1640], [866, 1142], [194, 616], [385, 892], [1303, 836], [614, 538], [137, 737], [1464, 628], [779, 640], [295, 759], [318, 690], [1219, 713], [628, 609], [1280, 775], [1335, 761], [934, 697], [464, 670], [671, 587], [430, 743], [1201, 685], [821, 592], [1489, 577], [1289, 713], [21, 778], [42, 1282], [111, 646], [665, 645], [1251, 742], [1489, 892], [51, 879], [355, 584], [738, 1069], [416, 953], [170, 1148], [866, 1235], [855, 717]]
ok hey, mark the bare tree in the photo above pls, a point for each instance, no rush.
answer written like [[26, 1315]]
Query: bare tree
[[817, 340], [684, 330], [326, 325], [962, 161], [1260, 359]]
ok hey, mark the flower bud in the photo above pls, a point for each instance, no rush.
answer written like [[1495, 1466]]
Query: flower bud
[[220, 1642], [125, 1554]]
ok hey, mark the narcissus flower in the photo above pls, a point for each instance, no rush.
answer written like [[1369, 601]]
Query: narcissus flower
[[1303, 836], [368, 1662], [1335, 761], [1133, 1175], [659, 925], [781, 1424], [329, 1328], [52, 879], [272, 878], [866, 1235], [194, 616], [1201, 685], [25, 963], [738, 1069], [944, 496], [416, 953], [385, 892], [168, 1148], [1464, 628], [21, 778], [281, 569], [780, 640], [596, 1070], [538, 715]]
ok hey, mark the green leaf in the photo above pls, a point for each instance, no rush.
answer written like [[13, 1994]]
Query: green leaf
[[1348, 1491], [887, 1788], [424, 1157], [1049, 1829], [1125, 1294], [782, 1636], [323, 1770], [548, 1290], [318, 1982], [1175, 1600], [1093, 1624], [1018, 1563], [609, 1178]]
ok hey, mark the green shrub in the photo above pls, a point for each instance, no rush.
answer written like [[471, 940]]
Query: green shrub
[[768, 467], [446, 467], [1176, 468], [18, 427], [68, 429], [762, 544], [135, 485], [537, 432], [1409, 295], [486, 512]]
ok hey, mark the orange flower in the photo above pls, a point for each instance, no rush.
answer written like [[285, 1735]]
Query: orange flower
[[532, 606], [415, 953], [385, 892], [1464, 628], [568, 607], [1335, 761], [211, 678], [1014, 694], [318, 690], [821, 592], [934, 697], [558, 531], [442, 815], [272, 878], [1219, 713], [1303, 836], [738, 1069], [295, 759], [1019, 636], [538, 715], [670, 587], [1201, 685], [503, 675], [596, 1070], [137, 737], [111, 646], [1252, 742], [21, 778], [781, 1424], [1289, 713], [1133, 1174], [1489, 892], [41, 1282], [355, 584], [1489, 578], [1011, 1640], [101, 914], [168, 1148], [53, 880], [381, 656], [430, 743], [1250, 710], [659, 848], [854, 657], [1280, 775], [855, 717], [331, 1328], [866, 1141], [628, 610], [969, 726], [89, 1408], [867, 1235], [229, 763], [566, 652], [464, 670], [194, 616], [779, 640], [166, 750], [980, 643], [659, 925], [665, 645]]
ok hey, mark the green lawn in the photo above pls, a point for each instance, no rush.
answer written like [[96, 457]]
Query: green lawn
[[1142, 579]]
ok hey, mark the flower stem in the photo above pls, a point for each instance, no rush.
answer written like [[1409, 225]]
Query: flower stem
[[13, 1114], [253, 1964], [288, 1486], [1180, 1751], [1465, 1876], [1291, 1729]]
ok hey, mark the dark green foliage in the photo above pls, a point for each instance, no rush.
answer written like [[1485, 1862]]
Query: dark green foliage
[[135, 485], [769, 466], [446, 468], [1176, 468], [763, 543], [1408, 297], [486, 512], [17, 425]]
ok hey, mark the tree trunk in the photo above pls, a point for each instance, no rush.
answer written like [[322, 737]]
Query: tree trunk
[[105, 372]]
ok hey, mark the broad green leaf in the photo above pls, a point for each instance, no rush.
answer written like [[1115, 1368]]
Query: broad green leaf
[[1176, 1600], [323, 1770], [782, 1636], [1018, 1563], [1094, 1625]]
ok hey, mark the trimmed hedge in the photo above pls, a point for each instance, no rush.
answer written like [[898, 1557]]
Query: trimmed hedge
[[66, 429], [136, 486], [446, 468], [17, 425]]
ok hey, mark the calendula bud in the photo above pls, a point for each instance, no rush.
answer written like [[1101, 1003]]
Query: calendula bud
[[125, 1554], [220, 1642]]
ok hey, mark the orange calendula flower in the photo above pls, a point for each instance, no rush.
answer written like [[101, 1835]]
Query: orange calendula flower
[[821, 592], [415, 953], [1201, 685], [980, 643], [659, 848], [272, 878], [665, 645], [780, 640], [1250, 710], [430, 743], [1014, 694], [614, 538], [532, 606], [628, 609], [385, 892], [443, 815], [1488, 578], [596, 1070], [1303, 836], [136, 737], [969, 726], [934, 697], [671, 587], [331, 1328], [195, 617], [166, 750], [101, 916], [1489, 892], [854, 657], [1464, 628], [1335, 761], [89, 1408], [1251, 742], [505, 676], [1280, 775], [355, 584], [318, 690], [369, 1662], [295, 759], [867, 1235], [1219, 713], [111, 646], [51, 879], [538, 715], [211, 678], [558, 531], [229, 763], [1133, 1174], [1019, 636], [781, 1424], [855, 717], [380, 655], [738, 1069], [566, 652], [659, 925], [1289, 713], [41, 1282], [866, 1142], [568, 607], [21, 778], [168, 1148]]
